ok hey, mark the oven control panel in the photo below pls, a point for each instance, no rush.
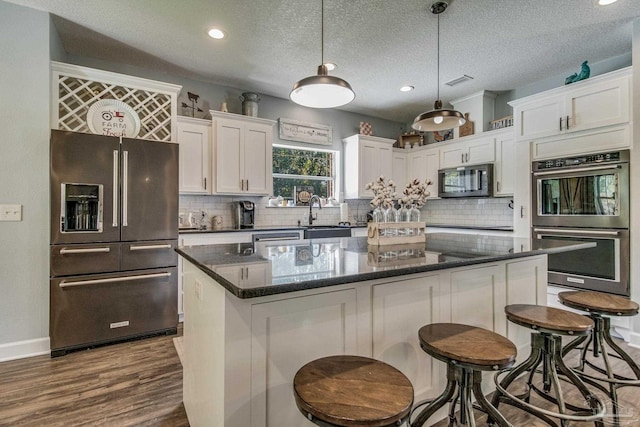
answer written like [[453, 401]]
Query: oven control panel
[[586, 160]]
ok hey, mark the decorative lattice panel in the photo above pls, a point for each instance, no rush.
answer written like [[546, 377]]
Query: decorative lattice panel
[[75, 96]]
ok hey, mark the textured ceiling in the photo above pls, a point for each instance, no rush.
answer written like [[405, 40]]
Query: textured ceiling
[[379, 45]]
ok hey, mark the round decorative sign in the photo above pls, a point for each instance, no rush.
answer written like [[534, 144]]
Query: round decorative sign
[[113, 118]]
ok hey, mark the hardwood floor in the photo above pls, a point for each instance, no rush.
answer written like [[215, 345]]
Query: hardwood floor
[[139, 383]]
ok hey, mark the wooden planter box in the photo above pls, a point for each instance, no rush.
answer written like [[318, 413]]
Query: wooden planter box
[[375, 237]]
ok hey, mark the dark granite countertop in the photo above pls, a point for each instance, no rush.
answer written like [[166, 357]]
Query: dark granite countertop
[[259, 229], [473, 227], [268, 268]]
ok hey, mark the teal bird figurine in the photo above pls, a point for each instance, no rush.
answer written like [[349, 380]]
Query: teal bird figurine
[[585, 72]]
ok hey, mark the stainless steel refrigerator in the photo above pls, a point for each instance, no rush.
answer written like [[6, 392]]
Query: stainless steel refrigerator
[[114, 228]]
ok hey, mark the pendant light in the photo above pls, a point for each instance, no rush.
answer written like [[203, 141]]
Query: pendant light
[[322, 90], [438, 118]]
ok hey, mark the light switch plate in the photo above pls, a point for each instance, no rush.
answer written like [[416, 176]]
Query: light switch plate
[[10, 212]]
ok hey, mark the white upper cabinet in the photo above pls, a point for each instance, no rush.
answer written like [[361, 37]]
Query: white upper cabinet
[[194, 140], [242, 147], [423, 163], [399, 168], [504, 166], [468, 152], [589, 104], [365, 159]]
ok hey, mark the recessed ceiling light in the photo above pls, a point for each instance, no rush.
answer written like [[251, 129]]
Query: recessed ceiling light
[[330, 66], [407, 88], [606, 2], [216, 33]]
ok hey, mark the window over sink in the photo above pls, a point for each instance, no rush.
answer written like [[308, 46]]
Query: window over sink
[[295, 167]]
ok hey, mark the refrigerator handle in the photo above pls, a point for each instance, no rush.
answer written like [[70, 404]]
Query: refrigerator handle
[[114, 222], [125, 184]]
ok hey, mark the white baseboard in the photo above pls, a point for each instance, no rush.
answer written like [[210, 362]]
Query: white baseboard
[[635, 339], [22, 349]]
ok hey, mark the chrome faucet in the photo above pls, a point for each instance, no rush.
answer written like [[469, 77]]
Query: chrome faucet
[[311, 217]]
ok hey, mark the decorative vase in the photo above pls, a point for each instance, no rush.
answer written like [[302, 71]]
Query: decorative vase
[[414, 216], [378, 215], [250, 104], [390, 216], [402, 215]]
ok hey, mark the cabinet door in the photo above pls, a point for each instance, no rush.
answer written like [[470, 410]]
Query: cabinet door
[[399, 310], [194, 144], [432, 161], [229, 136], [399, 170], [452, 156], [257, 169], [287, 334], [480, 151], [602, 104], [367, 162], [478, 287], [417, 166], [384, 163], [504, 167], [526, 284], [539, 118]]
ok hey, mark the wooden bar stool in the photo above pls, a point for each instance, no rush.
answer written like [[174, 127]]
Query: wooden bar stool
[[350, 391], [600, 345], [467, 351], [549, 325]]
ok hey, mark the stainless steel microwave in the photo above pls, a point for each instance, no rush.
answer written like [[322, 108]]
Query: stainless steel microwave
[[466, 181]]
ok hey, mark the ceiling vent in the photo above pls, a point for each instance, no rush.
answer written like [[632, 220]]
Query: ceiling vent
[[459, 80]]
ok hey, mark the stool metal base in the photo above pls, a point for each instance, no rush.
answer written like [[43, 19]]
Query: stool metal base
[[601, 345], [546, 349], [462, 382]]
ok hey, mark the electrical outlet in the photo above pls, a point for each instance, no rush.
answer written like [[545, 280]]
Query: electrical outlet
[[198, 290], [10, 212]]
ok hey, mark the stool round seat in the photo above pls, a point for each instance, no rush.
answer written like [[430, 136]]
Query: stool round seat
[[467, 351], [352, 391], [550, 319], [481, 348], [598, 302]]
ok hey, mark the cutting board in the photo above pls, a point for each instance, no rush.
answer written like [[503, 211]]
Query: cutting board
[[467, 128]]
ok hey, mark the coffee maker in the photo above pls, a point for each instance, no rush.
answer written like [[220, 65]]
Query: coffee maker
[[243, 214]]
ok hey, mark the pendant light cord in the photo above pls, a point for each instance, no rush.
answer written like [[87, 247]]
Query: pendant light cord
[[322, 32], [438, 61]]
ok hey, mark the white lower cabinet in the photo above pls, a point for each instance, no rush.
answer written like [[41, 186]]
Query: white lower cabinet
[[287, 334], [399, 310], [241, 354]]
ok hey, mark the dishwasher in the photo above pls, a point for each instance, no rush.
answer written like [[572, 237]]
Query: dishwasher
[[266, 237]]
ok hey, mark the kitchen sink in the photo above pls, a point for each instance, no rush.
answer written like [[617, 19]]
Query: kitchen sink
[[323, 231]]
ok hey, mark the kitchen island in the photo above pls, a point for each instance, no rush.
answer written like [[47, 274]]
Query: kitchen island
[[255, 314]]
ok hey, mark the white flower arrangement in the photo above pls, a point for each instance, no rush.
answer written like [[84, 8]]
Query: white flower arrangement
[[415, 193], [384, 193]]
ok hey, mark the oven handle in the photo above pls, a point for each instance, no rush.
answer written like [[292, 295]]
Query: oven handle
[[65, 284], [589, 169], [576, 231]]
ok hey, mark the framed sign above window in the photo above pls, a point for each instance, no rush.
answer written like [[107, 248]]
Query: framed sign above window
[[293, 130]]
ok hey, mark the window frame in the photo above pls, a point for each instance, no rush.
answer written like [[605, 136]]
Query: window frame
[[336, 178]]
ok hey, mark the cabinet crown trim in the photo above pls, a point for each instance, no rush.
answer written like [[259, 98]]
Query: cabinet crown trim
[[232, 116], [194, 121], [563, 90], [361, 137]]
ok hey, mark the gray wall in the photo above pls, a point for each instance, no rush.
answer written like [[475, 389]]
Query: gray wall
[[24, 173]]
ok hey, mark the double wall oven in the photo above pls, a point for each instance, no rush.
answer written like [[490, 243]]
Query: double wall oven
[[585, 199]]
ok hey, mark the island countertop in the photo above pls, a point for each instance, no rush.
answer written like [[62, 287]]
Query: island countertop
[[266, 268]]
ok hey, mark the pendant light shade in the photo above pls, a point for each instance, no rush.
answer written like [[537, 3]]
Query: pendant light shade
[[322, 90], [438, 119]]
